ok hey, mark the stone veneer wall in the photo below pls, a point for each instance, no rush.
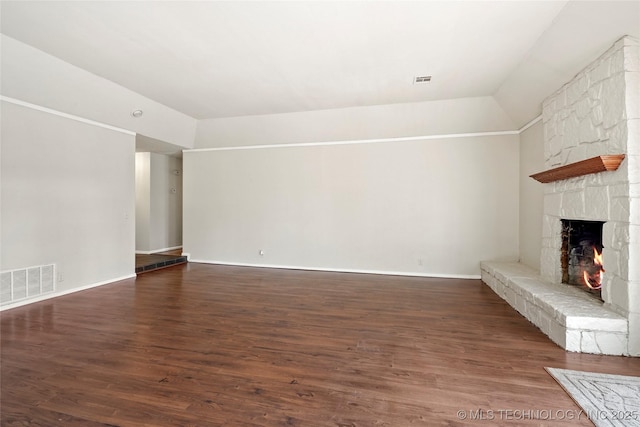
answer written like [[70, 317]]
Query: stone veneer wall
[[598, 113]]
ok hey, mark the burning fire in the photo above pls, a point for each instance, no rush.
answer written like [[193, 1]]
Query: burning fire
[[593, 274]]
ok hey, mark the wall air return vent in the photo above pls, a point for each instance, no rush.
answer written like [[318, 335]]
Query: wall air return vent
[[26, 283], [422, 79]]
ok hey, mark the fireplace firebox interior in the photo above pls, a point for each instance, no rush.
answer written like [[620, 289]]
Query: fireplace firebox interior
[[581, 255]]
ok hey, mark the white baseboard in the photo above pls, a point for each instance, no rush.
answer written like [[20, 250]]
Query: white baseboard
[[155, 251], [64, 292], [342, 270]]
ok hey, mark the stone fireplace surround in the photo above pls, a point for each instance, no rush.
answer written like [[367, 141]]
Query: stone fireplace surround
[[596, 113]]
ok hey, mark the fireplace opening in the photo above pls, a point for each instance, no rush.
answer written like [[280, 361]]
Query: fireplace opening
[[581, 255]]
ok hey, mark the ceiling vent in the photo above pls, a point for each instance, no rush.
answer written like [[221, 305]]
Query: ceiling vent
[[422, 79]]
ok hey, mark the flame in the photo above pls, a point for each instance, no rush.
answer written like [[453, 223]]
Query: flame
[[593, 274], [597, 258]]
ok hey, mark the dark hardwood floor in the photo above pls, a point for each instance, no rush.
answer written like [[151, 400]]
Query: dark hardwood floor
[[201, 345]]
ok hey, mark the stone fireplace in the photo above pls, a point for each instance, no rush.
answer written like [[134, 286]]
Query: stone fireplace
[[595, 114]]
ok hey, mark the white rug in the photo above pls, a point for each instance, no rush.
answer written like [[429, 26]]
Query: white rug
[[608, 400]]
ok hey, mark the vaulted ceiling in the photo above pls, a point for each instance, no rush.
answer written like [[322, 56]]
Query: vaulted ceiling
[[213, 59]]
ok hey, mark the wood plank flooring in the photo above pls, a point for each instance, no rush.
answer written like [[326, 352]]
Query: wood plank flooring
[[201, 345]]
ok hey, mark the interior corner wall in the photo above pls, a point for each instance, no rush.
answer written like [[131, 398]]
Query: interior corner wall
[[165, 230], [432, 207], [67, 198], [531, 195], [143, 201], [158, 202], [176, 201]]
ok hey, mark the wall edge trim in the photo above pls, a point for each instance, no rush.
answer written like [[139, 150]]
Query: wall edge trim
[[531, 123], [65, 115], [357, 141], [340, 270]]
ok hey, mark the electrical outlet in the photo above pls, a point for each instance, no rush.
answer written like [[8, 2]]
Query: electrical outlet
[[261, 252], [419, 261], [60, 277]]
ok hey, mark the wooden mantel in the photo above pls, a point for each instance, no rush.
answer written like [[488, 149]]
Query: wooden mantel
[[584, 167]]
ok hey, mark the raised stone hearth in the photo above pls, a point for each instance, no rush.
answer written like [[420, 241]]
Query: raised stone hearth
[[571, 318]]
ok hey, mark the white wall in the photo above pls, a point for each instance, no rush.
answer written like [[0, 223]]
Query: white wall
[[452, 116], [424, 206], [430, 207], [175, 202], [531, 195], [166, 206], [33, 76], [158, 208], [67, 197], [143, 202]]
